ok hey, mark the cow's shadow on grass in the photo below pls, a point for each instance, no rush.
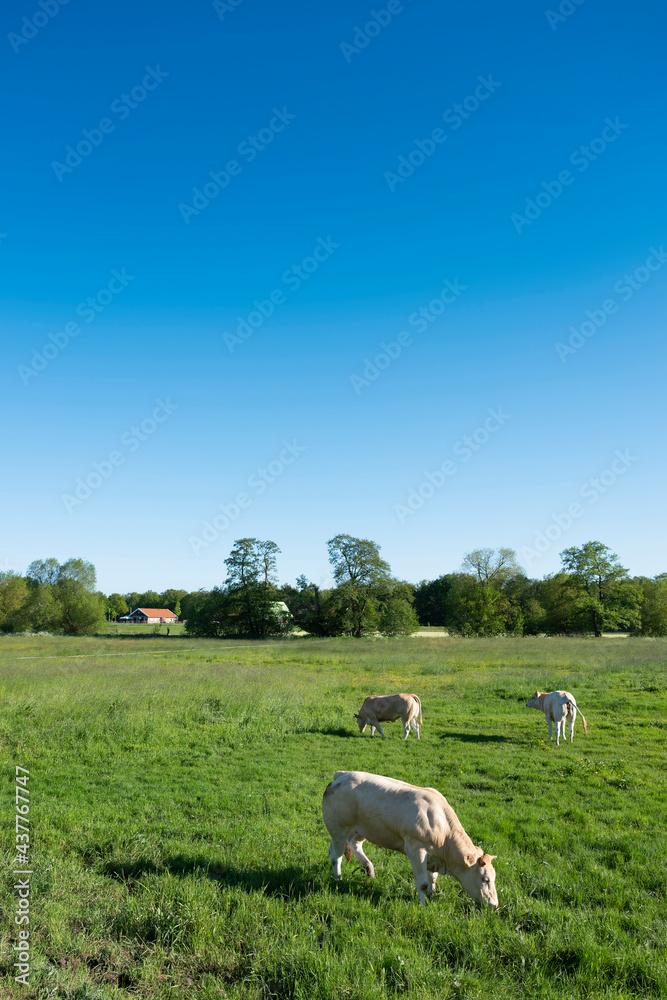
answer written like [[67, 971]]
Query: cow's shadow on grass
[[331, 731], [290, 882], [476, 738]]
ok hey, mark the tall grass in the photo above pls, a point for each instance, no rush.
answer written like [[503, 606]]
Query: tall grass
[[179, 844]]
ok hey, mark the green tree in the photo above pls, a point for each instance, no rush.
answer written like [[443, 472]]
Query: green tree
[[491, 567], [607, 599], [62, 597], [478, 610], [14, 595], [433, 600], [558, 596], [653, 610], [246, 604], [149, 599], [397, 617], [44, 572], [243, 563], [314, 610], [169, 599], [267, 552], [209, 614], [360, 572], [118, 605], [81, 611]]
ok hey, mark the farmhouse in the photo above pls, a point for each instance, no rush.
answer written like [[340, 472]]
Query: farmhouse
[[150, 616]]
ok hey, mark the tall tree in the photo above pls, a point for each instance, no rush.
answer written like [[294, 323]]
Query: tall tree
[[267, 552], [44, 572], [492, 567], [360, 572], [607, 598], [356, 561], [78, 571], [243, 563]]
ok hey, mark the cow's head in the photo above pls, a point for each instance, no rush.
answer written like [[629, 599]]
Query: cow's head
[[534, 700], [361, 723], [478, 879]]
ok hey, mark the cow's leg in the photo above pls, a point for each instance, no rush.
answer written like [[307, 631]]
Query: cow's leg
[[336, 852], [406, 730], [573, 717], [549, 723], [431, 867], [415, 726], [355, 842], [372, 730], [418, 857], [379, 729]]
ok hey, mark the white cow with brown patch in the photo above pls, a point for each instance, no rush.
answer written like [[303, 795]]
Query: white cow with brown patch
[[379, 708], [557, 707], [418, 822]]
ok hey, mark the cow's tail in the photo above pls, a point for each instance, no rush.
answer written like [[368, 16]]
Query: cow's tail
[[348, 853], [572, 708]]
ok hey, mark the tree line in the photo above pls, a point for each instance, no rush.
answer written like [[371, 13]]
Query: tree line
[[489, 595]]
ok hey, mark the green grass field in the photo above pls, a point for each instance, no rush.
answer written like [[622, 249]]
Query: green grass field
[[177, 840]]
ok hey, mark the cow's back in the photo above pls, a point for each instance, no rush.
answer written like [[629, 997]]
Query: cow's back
[[384, 810], [390, 707], [555, 704]]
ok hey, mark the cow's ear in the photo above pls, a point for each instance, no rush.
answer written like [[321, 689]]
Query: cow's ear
[[469, 859], [356, 715]]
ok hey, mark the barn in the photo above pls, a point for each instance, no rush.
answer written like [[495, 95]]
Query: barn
[[150, 616]]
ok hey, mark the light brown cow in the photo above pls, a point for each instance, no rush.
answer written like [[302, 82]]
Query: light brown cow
[[557, 707], [379, 708], [418, 822]]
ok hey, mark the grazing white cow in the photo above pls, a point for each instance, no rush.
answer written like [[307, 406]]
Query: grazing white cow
[[557, 707], [418, 822], [379, 708]]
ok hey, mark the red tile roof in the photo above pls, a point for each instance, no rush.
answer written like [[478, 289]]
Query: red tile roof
[[157, 612]]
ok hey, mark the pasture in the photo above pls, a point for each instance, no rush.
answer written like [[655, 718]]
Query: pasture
[[178, 848]]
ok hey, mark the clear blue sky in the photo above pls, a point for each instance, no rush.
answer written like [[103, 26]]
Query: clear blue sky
[[306, 121]]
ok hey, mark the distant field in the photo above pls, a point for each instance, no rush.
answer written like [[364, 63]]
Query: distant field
[[126, 628], [178, 842]]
